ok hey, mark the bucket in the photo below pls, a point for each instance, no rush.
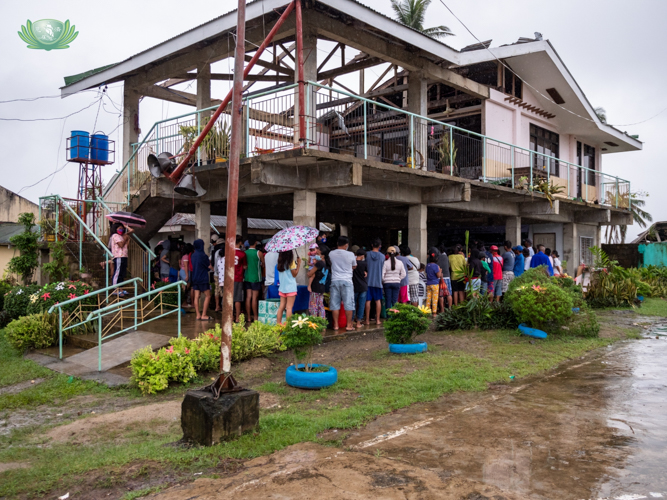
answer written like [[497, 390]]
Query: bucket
[[99, 147], [79, 144]]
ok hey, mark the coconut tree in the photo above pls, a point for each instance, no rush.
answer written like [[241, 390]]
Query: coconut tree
[[616, 234], [412, 12], [601, 114]]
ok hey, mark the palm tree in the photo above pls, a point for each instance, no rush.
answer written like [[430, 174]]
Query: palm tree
[[601, 113], [639, 216], [412, 12]]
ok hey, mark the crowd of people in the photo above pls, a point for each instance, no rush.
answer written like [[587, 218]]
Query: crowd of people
[[357, 280]]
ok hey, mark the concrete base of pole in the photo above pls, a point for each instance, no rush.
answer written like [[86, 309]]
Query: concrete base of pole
[[207, 421]]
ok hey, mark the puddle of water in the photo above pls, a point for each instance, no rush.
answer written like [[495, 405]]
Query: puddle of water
[[597, 430]]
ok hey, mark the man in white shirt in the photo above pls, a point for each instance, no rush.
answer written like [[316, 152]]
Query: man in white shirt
[[342, 287]]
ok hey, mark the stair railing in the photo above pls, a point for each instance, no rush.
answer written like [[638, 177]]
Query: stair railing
[[118, 307], [139, 255], [79, 308]]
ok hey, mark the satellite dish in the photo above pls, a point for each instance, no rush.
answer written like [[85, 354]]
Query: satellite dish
[[162, 164]]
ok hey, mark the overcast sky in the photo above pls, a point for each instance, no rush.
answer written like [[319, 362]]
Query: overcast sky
[[614, 49]]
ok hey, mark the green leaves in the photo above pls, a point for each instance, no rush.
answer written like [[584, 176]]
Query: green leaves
[[25, 264], [34, 331], [408, 322]]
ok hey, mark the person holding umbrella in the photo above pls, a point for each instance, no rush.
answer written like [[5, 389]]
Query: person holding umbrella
[[118, 243], [284, 243]]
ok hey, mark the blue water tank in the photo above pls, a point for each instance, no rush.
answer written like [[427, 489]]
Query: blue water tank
[[79, 145], [99, 147]]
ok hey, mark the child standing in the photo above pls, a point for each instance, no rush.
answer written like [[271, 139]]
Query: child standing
[[433, 275], [287, 272], [359, 276], [313, 257]]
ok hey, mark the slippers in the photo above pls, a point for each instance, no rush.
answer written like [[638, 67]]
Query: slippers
[[207, 318], [350, 329]]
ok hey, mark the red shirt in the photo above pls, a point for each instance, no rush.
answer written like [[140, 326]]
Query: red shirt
[[497, 267], [240, 263]]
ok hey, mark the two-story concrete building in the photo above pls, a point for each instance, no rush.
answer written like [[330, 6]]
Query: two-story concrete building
[[500, 141]]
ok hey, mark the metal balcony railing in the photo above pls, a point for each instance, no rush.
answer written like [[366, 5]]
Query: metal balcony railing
[[344, 123]]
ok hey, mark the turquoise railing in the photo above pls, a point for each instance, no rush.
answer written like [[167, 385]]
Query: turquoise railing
[[61, 202], [500, 162], [80, 299], [118, 307]]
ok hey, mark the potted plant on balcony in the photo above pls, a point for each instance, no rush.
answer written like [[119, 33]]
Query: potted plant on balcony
[[405, 322], [216, 143], [448, 153], [301, 334]]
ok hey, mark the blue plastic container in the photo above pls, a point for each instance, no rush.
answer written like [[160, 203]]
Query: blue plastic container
[[99, 147], [79, 145], [417, 348]]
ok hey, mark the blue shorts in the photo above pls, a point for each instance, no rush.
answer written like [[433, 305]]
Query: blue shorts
[[374, 293], [256, 287], [202, 288], [341, 291], [498, 288]]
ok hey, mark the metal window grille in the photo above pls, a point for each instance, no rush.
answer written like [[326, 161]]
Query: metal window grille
[[585, 245]]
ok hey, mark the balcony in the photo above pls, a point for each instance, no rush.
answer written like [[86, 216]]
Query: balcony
[[346, 124]]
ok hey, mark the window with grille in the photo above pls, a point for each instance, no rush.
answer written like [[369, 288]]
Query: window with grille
[[585, 245], [546, 145]]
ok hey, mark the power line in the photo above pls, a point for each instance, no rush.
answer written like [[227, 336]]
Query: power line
[[50, 119]]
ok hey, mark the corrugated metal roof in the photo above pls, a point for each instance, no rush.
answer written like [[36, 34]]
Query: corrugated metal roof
[[9, 229], [221, 221]]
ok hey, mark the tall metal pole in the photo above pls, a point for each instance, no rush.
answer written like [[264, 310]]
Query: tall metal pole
[[233, 194], [301, 80], [175, 176]]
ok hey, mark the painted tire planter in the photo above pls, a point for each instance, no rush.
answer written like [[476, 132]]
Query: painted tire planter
[[408, 348], [310, 380], [532, 332]]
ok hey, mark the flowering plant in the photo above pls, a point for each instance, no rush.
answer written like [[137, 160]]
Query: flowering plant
[[55, 293], [404, 322], [302, 333]]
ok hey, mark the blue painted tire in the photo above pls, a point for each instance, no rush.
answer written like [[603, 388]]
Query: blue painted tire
[[408, 348], [576, 310], [532, 332], [310, 380]]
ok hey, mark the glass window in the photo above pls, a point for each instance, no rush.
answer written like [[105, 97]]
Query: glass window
[[545, 142]]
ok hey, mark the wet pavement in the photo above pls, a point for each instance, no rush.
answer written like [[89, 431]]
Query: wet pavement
[[595, 429]]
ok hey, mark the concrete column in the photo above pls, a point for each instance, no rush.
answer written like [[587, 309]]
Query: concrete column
[[305, 206], [571, 248], [513, 230], [131, 128], [304, 214], [203, 222], [309, 74], [204, 86], [417, 231], [242, 227], [418, 104], [344, 230]]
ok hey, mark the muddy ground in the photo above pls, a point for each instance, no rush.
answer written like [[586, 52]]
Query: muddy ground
[[478, 448]]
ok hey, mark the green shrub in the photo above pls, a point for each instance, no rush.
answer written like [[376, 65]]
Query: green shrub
[[257, 340], [584, 324], [5, 318], [534, 276], [184, 358], [55, 293], [542, 306], [611, 285], [5, 287], [405, 322], [34, 331], [18, 299], [477, 312], [300, 334]]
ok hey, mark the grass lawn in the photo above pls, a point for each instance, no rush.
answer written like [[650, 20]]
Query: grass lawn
[[362, 393], [654, 307]]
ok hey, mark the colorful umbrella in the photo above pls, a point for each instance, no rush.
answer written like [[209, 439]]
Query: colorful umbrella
[[291, 238], [127, 218]]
